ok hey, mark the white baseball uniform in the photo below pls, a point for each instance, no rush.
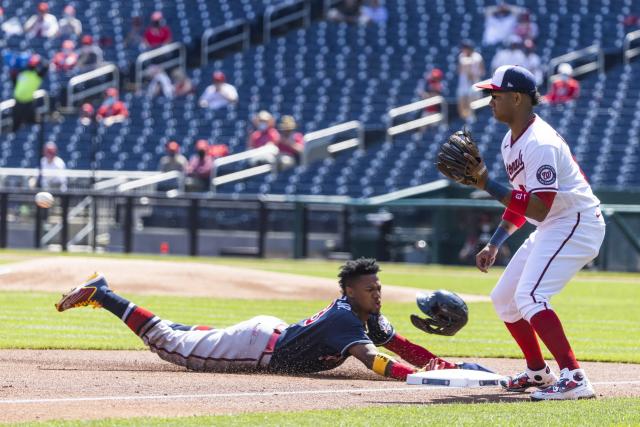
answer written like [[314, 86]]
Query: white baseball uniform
[[247, 345], [539, 160]]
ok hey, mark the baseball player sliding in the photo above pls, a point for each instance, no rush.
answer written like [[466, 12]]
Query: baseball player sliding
[[351, 325], [549, 191]]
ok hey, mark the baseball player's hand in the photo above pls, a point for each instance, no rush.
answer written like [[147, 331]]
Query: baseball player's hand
[[486, 257], [435, 364]]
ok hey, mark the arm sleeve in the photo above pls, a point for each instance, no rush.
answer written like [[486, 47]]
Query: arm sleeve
[[514, 218], [412, 353]]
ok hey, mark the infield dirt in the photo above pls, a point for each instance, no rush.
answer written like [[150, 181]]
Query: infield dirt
[[75, 384]]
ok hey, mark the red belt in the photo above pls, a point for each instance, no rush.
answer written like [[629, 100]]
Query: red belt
[[265, 357]]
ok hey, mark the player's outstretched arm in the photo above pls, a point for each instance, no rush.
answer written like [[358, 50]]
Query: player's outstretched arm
[[517, 201], [380, 363], [414, 353]]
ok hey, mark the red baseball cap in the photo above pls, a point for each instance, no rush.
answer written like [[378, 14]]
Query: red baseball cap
[[173, 147], [34, 60], [87, 39], [219, 76], [436, 74]]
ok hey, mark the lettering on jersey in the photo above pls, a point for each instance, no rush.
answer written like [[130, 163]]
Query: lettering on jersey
[[318, 315], [515, 167], [546, 175]]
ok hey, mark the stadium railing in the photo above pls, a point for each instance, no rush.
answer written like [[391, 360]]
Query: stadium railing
[[166, 57], [6, 119], [266, 153], [426, 120], [584, 60], [631, 47], [123, 212], [218, 39], [90, 84], [279, 16], [321, 143]]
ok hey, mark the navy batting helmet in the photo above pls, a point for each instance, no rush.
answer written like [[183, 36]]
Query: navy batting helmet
[[446, 313]]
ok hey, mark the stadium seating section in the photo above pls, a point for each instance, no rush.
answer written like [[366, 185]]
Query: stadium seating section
[[329, 73]]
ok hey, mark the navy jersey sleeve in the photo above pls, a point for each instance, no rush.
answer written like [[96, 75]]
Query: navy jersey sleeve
[[347, 331], [380, 331]]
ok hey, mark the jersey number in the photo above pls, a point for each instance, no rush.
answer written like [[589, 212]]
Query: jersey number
[[318, 315]]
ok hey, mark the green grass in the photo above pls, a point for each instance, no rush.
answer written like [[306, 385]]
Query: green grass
[[605, 412], [599, 312], [598, 332]]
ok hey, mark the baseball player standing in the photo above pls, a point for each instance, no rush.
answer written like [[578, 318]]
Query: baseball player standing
[[551, 192], [351, 325]]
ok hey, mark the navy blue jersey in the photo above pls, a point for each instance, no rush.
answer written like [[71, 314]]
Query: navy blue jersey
[[322, 341]]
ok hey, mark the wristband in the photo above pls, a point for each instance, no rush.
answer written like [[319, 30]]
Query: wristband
[[497, 190], [499, 237], [381, 363], [519, 202], [384, 365]]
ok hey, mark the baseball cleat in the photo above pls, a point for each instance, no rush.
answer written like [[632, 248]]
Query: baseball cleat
[[572, 385], [520, 383], [84, 294]]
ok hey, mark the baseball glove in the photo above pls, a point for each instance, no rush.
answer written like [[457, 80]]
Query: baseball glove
[[460, 160]]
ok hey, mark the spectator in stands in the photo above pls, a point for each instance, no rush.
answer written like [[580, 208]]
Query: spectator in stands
[[500, 22], [8, 27], [470, 70], [510, 54], [89, 55], [182, 85], [112, 110], [26, 83], [200, 168], [69, 25], [53, 177], [65, 59], [158, 33], [265, 131], [348, 11], [219, 94], [173, 160], [265, 134], [160, 83], [373, 13], [42, 24], [565, 88], [525, 29], [532, 61], [135, 35], [431, 85], [290, 144]]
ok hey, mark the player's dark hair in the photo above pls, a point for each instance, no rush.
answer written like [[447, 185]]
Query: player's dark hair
[[356, 268], [536, 98]]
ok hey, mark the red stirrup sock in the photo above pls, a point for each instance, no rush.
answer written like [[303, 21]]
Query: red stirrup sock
[[547, 324], [525, 336]]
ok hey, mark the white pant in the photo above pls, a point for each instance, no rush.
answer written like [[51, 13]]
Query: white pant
[[245, 346], [545, 263]]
